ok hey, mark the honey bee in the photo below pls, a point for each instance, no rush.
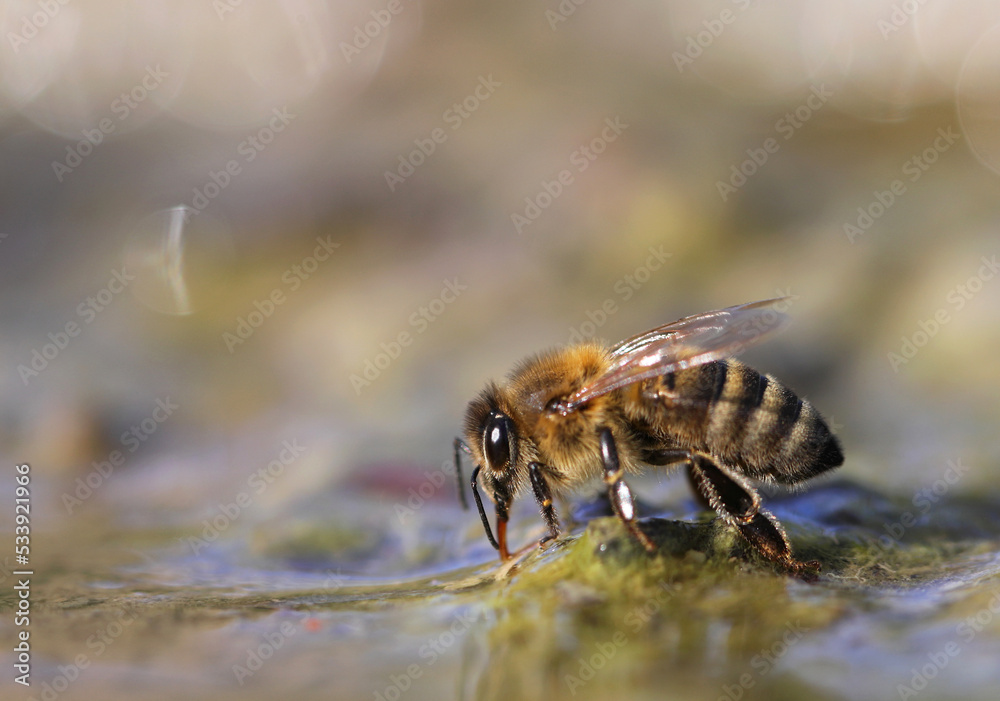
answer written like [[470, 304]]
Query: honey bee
[[670, 396]]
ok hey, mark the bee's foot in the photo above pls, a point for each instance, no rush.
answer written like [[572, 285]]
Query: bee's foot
[[546, 540], [806, 571]]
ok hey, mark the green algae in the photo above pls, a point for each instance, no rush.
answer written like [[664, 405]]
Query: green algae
[[588, 616], [600, 600]]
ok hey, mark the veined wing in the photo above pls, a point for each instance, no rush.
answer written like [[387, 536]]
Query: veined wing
[[685, 343]]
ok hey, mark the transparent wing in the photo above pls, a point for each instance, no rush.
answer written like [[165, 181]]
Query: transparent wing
[[693, 340]]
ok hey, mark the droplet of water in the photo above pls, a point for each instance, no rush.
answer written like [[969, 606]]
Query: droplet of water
[[175, 256]]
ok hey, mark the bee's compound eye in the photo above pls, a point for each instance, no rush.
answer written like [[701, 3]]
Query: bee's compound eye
[[496, 441]]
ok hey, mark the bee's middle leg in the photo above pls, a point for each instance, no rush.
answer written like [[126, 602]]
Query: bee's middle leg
[[543, 495], [618, 491]]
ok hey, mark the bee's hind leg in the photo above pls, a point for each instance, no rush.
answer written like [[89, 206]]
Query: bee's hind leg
[[618, 491], [738, 504], [767, 536], [543, 495]]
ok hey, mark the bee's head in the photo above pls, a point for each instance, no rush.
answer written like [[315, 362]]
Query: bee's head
[[493, 441]]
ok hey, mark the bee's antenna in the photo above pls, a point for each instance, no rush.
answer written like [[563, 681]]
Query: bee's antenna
[[460, 445], [482, 511]]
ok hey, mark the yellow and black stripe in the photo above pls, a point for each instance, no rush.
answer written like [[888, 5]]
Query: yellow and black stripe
[[746, 419]]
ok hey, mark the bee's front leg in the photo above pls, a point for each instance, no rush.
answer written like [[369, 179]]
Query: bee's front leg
[[618, 491], [543, 495]]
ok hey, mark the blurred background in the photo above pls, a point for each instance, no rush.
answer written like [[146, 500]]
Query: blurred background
[[271, 250]]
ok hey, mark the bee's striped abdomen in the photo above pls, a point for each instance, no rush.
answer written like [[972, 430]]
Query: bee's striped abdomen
[[748, 420]]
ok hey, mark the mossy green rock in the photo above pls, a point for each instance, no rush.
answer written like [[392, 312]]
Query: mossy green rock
[[898, 611]]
